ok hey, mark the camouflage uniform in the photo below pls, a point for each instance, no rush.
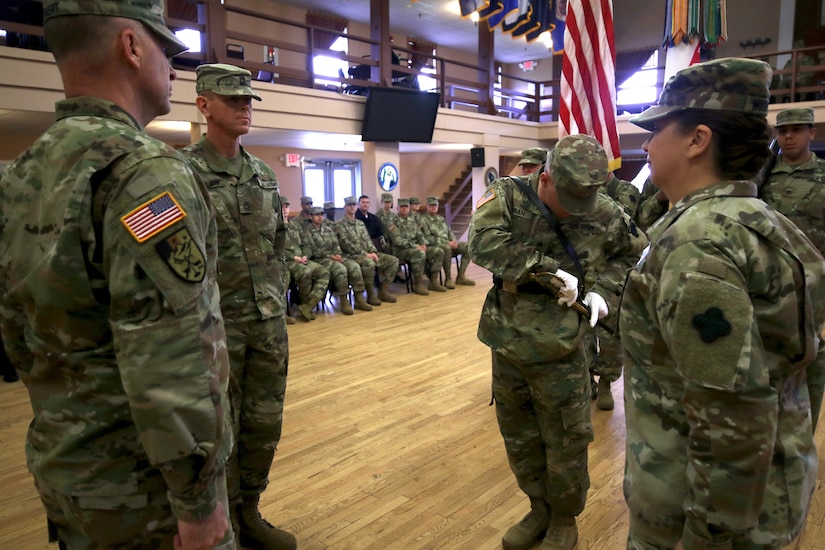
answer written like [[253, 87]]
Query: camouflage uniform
[[407, 237], [124, 353], [650, 207], [540, 380], [355, 243], [319, 244], [438, 234], [799, 193], [311, 278], [718, 323]]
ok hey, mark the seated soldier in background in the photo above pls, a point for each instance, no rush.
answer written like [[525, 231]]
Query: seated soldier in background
[[438, 234], [415, 209], [321, 246], [356, 245], [409, 237], [329, 210], [311, 278], [388, 220], [304, 216]]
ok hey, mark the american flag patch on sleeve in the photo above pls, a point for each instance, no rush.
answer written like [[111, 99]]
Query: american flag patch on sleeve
[[489, 195], [152, 217]]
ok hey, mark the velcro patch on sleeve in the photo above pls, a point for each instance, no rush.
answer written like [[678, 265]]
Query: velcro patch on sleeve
[[711, 331], [153, 216], [489, 195], [182, 255]]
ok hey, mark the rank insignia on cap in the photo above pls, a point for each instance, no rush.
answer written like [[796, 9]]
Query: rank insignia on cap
[[180, 253], [711, 325], [153, 216], [487, 197]]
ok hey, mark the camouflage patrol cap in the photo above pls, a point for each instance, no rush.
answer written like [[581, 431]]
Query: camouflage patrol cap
[[729, 84], [315, 210], [306, 200], [386, 197], [414, 200], [432, 200], [148, 12], [226, 80], [534, 155], [284, 200], [579, 167], [802, 115], [329, 205], [350, 200], [403, 202]]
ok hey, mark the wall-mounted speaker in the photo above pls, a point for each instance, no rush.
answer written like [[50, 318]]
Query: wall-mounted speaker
[[477, 157]]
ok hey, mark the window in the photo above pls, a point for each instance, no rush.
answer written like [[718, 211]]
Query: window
[[191, 38], [324, 65], [640, 90], [331, 180]]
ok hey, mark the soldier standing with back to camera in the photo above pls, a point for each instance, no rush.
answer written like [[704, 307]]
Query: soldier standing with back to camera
[[541, 384], [251, 243], [110, 307], [795, 186]]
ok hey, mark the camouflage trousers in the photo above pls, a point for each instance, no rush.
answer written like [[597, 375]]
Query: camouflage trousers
[[606, 360], [543, 413], [387, 268], [436, 258], [312, 280], [417, 258], [258, 362], [344, 274], [122, 522], [450, 253]]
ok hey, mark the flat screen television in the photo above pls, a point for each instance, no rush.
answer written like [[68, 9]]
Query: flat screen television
[[398, 114]]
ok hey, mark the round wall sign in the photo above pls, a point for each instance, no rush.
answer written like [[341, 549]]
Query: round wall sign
[[491, 175], [388, 176]]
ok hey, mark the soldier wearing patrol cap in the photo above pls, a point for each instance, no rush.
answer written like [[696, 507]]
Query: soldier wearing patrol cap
[[389, 222], [415, 206], [305, 216], [531, 160], [109, 297], [719, 326], [329, 210], [541, 384], [438, 234], [252, 275]]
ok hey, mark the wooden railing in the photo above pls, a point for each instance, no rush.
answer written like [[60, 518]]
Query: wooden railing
[[461, 85]]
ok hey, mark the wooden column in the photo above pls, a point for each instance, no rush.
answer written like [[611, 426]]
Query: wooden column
[[486, 59], [380, 32]]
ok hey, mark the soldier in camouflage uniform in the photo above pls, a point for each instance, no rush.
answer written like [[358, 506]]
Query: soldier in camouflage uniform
[[110, 305], [719, 322], [409, 239], [304, 215], [604, 347], [389, 220], [531, 160], [321, 246], [356, 245], [329, 210], [251, 243], [415, 206], [796, 187], [541, 385], [311, 278], [652, 205], [438, 234]]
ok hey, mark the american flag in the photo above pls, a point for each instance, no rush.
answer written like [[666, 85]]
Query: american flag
[[588, 81], [153, 216]]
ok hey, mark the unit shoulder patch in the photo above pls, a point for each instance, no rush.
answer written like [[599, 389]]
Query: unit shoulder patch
[[183, 256]]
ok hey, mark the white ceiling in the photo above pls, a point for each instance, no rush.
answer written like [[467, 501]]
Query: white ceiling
[[438, 21]]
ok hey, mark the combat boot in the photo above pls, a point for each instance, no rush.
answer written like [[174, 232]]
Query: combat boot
[[384, 294], [306, 312], [462, 280], [562, 534], [289, 320], [418, 285], [531, 528], [346, 308], [256, 532], [372, 296], [434, 283], [449, 284], [360, 303], [605, 398]]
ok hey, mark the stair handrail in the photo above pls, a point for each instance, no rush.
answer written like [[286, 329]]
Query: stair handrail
[[449, 216]]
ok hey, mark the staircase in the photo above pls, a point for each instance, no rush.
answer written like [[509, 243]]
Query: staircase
[[458, 201]]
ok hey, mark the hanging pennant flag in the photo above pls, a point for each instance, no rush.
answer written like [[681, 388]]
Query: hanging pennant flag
[[560, 24], [588, 90], [681, 55], [467, 7]]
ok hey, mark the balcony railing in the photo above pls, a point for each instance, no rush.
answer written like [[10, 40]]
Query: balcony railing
[[228, 36]]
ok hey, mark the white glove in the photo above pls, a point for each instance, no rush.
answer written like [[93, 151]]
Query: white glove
[[570, 291], [597, 305]]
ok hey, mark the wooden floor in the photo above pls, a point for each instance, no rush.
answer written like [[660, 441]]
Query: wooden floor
[[388, 441]]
